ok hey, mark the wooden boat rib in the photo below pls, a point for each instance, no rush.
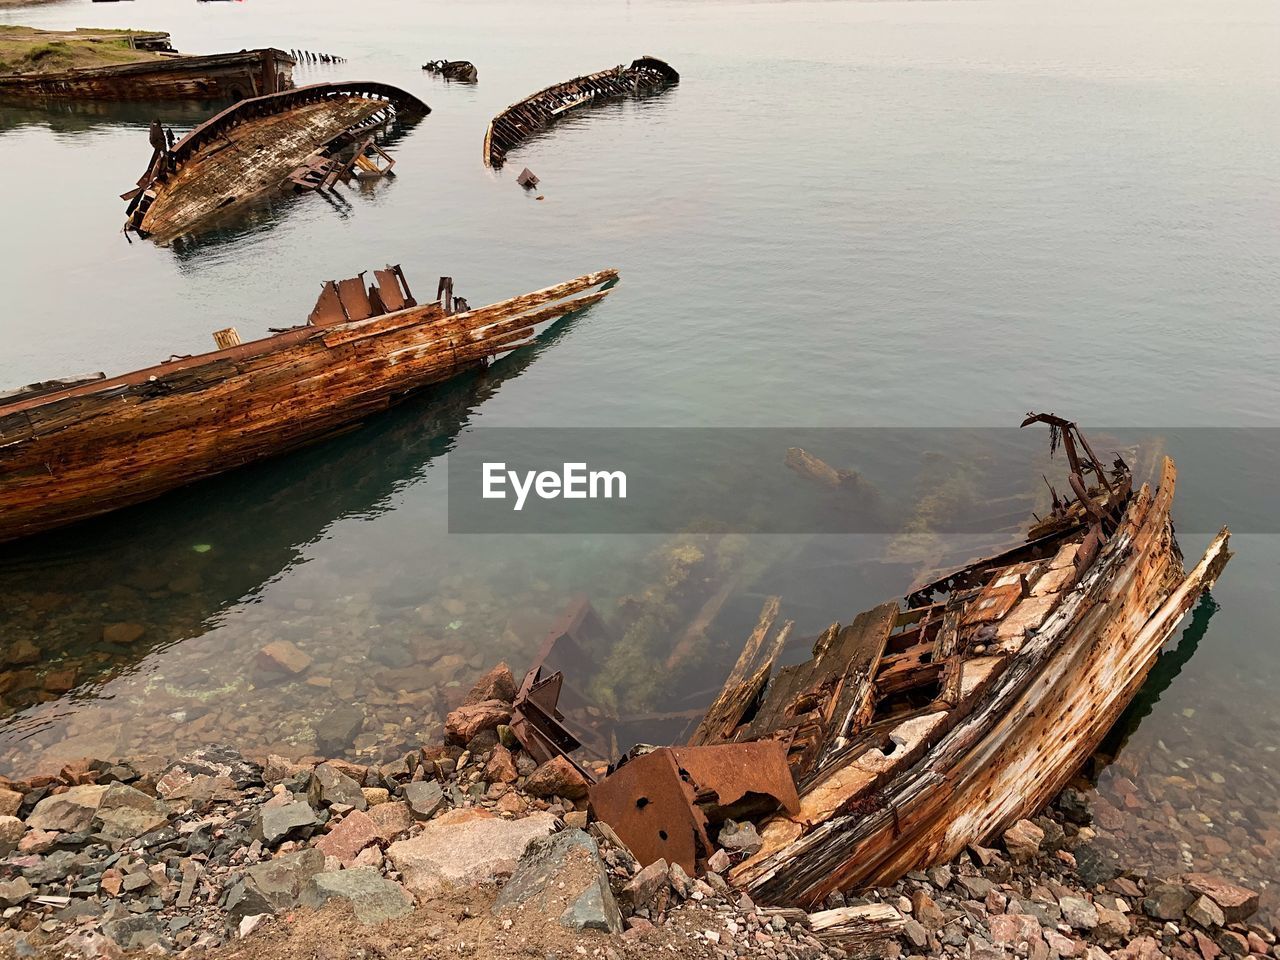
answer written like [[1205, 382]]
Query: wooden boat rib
[[248, 73], [921, 728], [253, 147], [73, 451], [522, 120]]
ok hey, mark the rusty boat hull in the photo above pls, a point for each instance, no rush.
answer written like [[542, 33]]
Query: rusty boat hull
[[70, 451], [222, 76]]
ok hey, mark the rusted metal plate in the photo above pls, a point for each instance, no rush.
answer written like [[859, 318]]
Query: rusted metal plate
[[328, 308], [355, 298]]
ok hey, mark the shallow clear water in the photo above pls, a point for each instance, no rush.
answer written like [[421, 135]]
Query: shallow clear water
[[873, 214]]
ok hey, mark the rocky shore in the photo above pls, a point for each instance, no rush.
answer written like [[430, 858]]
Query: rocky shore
[[470, 848]]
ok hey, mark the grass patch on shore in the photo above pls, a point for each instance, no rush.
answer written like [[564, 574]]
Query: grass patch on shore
[[28, 50]]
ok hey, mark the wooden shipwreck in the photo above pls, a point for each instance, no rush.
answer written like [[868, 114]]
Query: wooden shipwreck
[[73, 450], [929, 724], [302, 139], [522, 120], [163, 76], [461, 71]]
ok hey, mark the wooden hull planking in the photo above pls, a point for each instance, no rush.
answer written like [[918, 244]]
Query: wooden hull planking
[[250, 73], [82, 451], [252, 148], [522, 120]]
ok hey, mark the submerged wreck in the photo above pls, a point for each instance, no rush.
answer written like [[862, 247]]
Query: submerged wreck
[[151, 70], [70, 450], [923, 725], [463, 71], [522, 120], [302, 139]]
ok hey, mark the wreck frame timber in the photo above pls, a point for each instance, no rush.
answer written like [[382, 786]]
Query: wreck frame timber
[[220, 76], [74, 450], [253, 147], [922, 728], [522, 120]]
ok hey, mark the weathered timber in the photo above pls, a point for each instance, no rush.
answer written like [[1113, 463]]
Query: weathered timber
[[522, 120], [222, 76], [72, 452], [919, 730], [261, 145]]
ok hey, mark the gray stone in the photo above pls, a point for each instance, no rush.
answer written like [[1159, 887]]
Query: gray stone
[[1080, 913], [125, 813], [338, 729], [1206, 913], [464, 848], [566, 865], [424, 798], [1096, 863], [916, 934], [1074, 806], [14, 892], [740, 838], [373, 898], [1167, 901], [641, 889], [69, 812], [976, 887], [134, 933], [940, 877], [274, 825], [1113, 926], [329, 785], [275, 885]]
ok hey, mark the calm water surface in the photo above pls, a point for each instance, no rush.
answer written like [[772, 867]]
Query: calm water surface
[[877, 214]]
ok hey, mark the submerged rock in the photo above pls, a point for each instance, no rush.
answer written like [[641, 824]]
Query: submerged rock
[[338, 729]]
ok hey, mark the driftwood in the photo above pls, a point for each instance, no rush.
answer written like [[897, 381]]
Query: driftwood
[[260, 145], [77, 452], [861, 931], [222, 76], [917, 730], [522, 120]]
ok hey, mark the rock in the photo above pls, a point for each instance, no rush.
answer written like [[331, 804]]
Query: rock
[[1206, 913], [1167, 901], [1074, 806], [976, 887], [249, 924], [558, 777], [640, 890], [10, 802], [1113, 926], [497, 684], [1061, 945], [279, 769], [1012, 929], [135, 933], [345, 841], [373, 898], [465, 722], [1141, 948], [563, 874], [424, 797], [22, 653], [718, 862], [373, 796], [1237, 903], [740, 838], [123, 634], [915, 933], [1023, 841], [975, 948], [501, 767], [338, 729], [1096, 863], [68, 812], [125, 813], [391, 820], [281, 656], [11, 832], [939, 876], [1078, 912], [465, 847], [924, 909], [14, 892], [294, 819], [329, 785], [274, 886]]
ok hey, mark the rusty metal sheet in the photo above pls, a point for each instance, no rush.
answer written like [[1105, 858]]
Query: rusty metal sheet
[[389, 290], [660, 803], [355, 298], [328, 309]]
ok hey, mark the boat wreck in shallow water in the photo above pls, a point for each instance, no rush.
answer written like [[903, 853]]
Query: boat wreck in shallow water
[[167, 76], [463, 71], [73, 450], [522, 120], [927, 725], [306, 138]]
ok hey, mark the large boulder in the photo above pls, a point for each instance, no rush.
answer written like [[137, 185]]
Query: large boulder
[[273, 886], [373, 898], [68, 812], [464, 848], [125, 813], [563, 876]]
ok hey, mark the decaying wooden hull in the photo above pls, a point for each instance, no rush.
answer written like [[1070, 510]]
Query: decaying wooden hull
[[72, 452], [522, 120], [919, 729], [249, 73], [255, 147]]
